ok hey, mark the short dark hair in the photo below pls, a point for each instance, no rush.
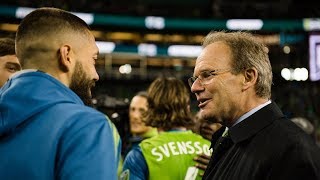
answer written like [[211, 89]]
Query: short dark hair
[[36, 29], [7, 46]]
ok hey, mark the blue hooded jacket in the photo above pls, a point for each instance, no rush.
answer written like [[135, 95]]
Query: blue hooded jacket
[[46, 132]]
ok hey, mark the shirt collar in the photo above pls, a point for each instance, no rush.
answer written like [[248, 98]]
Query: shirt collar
[[246, 115], [255, 122]]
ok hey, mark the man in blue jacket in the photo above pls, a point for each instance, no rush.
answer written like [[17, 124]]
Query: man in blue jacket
[[46, 131]]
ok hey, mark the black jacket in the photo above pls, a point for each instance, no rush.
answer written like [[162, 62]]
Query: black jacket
[[266, 145]]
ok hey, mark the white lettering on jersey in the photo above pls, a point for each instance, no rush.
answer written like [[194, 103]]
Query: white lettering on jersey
[[178, 148]]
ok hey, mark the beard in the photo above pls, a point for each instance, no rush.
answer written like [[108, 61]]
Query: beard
[[81, 84]]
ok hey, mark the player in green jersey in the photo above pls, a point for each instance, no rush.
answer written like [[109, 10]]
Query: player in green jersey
[[170, 154]]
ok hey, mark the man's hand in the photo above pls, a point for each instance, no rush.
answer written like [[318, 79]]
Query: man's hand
[[202, 162]]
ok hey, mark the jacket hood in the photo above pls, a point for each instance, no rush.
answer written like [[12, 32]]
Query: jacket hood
[[28, 93]]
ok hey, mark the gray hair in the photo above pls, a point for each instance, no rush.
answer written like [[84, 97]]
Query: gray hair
[[247, 52]]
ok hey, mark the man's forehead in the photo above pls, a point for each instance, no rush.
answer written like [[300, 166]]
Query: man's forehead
[[213, 56], [9, 58], [205, 64]]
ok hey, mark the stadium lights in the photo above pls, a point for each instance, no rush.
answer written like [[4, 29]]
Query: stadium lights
[[105, 47], [21, 12], [184, 50], [161, 23], [147, 49], [125, 69], [244, 24], [297, 74]]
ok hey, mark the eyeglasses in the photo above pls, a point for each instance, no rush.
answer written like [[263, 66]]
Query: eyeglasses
[[205, 77]]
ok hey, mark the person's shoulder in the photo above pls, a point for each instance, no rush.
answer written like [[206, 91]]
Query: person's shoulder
[[134, 152], [79, 114], [290, 133], [154, 141], [133, 157], [295, 141], [88, 113], [150, 140], [135, 165], [166, 137], [286, 126], [80, 109]]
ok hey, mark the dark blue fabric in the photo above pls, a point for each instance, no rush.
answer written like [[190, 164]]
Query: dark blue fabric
[[136, 164]]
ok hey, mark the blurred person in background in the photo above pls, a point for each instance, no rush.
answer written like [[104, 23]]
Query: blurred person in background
[[304, 124], [9, 62], [47, 132], [232, 82], [170, 154], [138, 129], [206, 129], [138, 107]]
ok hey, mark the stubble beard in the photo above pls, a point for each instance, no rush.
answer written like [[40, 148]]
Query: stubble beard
[[81, 85]]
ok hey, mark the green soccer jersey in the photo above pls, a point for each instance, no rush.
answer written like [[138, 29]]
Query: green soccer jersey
[[170, 155]]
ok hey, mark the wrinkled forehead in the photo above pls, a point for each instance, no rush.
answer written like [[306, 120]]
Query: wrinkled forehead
[[214, 56]]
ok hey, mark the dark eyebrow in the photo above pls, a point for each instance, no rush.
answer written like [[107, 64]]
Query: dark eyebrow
[[207, 70], [17, 65]]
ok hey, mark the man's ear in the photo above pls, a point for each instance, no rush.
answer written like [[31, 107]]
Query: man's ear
[[250, 78], [65, 59]]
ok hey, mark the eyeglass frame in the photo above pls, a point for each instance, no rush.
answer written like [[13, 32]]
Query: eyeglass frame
[[211, 73]]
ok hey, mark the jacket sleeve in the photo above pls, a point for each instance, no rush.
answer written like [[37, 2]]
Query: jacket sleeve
[[134, 166], [117, 143], [89, 148], [298, 163]]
